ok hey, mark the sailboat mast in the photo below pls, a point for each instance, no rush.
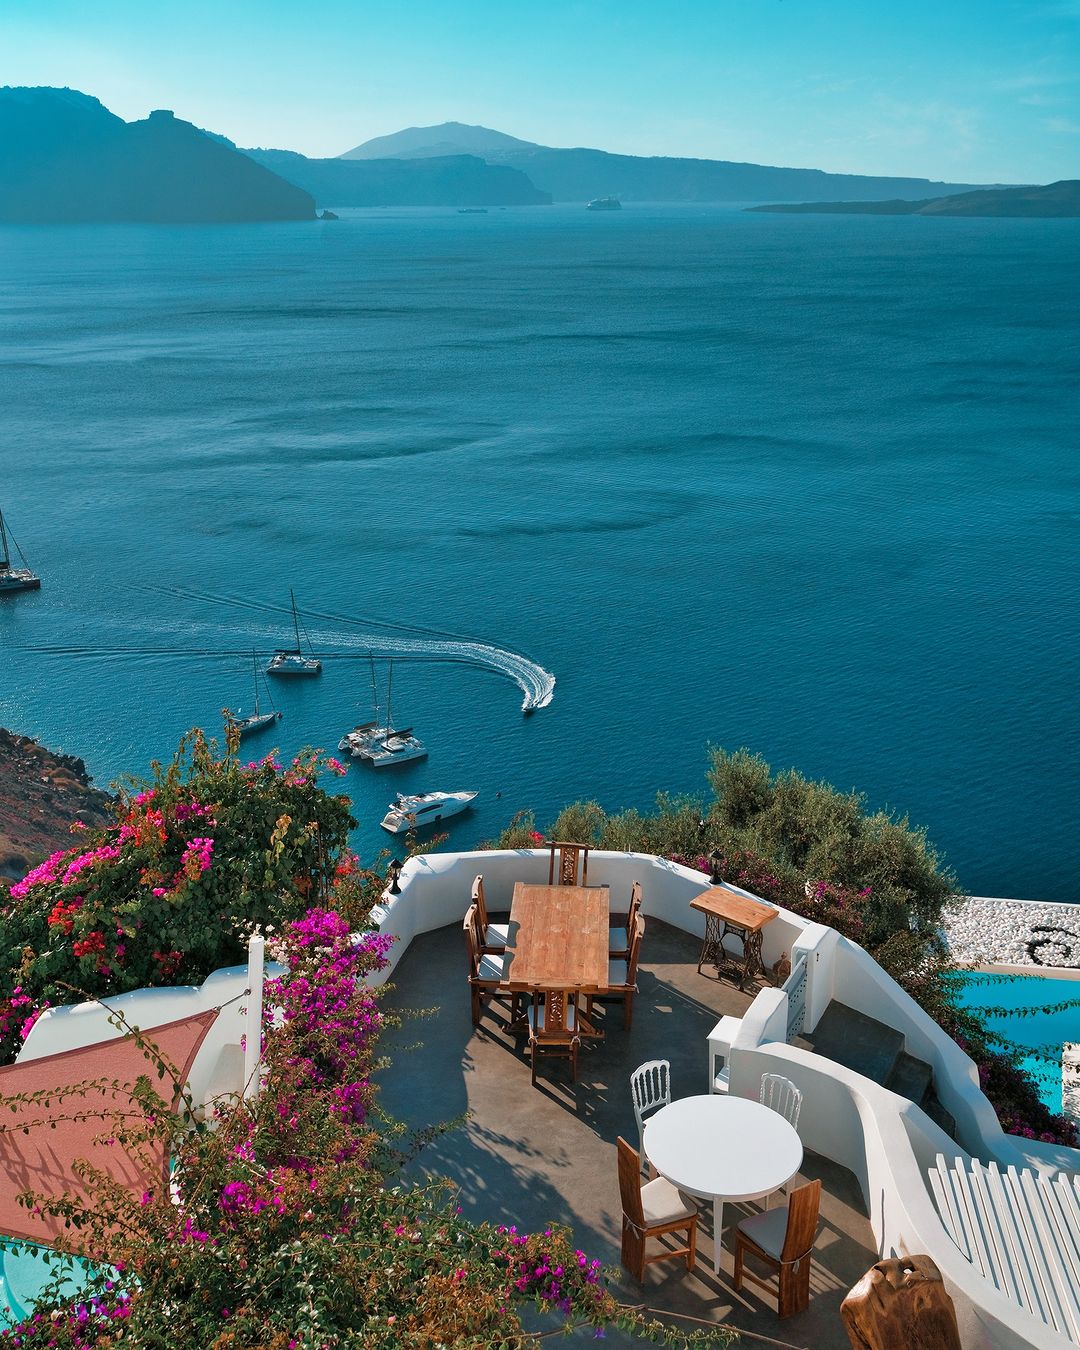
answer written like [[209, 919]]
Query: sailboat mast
[[389, 690], [295, 620], [5, 561], [255, 673], [374, 687]]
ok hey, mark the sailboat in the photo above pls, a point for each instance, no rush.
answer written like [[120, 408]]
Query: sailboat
[[14, 578], [256, 720], [291, 660], [381, 743]]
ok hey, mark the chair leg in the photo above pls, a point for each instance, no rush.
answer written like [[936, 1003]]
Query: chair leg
[[691, 1242], [628, 1012], [475, 1006], [738, 1263], [573, 1061]]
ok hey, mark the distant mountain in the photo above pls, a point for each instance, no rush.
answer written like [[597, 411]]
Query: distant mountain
[[446, 180], [64, 158], [581, 174], [449, 138], [1055, 200]]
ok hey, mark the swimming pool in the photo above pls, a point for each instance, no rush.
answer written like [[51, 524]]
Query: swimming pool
[[1020, 994]]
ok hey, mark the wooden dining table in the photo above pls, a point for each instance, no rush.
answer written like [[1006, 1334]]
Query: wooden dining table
[[557, 939]]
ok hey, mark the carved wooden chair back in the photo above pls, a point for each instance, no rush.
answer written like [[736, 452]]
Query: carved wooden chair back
[[479, 902], [569, 859], [472, 941], [635, 951]]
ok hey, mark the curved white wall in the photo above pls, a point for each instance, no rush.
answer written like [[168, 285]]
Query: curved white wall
[[219, 1065]]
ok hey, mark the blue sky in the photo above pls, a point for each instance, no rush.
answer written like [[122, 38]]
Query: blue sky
[[965, 90]]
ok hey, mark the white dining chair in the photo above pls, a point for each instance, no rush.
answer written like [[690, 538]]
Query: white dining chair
[[650, 1086], [781, 1095]]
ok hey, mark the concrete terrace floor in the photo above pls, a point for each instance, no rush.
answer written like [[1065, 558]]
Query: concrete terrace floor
[[527, 1156]]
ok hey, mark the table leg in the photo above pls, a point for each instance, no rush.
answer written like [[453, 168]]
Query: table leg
[[718, 1230], [710, 948]]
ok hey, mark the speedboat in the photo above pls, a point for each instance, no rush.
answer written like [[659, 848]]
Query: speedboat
[[604, 204], [424, 808]]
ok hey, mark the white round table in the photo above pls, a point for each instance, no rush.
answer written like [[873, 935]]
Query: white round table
[[722, 1148]]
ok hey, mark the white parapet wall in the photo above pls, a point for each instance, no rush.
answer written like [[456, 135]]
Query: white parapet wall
[[219, 1065], [435, 890]]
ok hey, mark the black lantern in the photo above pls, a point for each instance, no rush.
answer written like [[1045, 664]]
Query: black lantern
[[716, 863], [393, 871]]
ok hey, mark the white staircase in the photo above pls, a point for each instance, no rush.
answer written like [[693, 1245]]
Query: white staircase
[[1020, 1230]]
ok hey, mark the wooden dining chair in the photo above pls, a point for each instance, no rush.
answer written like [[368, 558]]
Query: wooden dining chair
[[782, 1239], [650, 1211], [622, 978], [485, 968], [556, 1026], [621, 927], [493, 936], [570, 858]]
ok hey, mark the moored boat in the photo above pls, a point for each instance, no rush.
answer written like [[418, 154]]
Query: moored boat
[[381, 743], [14, 578], [604, 204], [424, 808], [243, 724], [291, 660]]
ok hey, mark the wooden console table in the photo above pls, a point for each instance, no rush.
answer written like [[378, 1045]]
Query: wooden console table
[[727, 912]]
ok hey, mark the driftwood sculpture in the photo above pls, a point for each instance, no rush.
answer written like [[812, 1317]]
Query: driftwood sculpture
[[901, 1304]]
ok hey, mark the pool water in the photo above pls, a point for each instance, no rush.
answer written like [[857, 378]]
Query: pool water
[[25, 1271], [1024, 1026]]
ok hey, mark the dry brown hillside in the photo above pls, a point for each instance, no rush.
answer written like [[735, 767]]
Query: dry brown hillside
[[40, 795]]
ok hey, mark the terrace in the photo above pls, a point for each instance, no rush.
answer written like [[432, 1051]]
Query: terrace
[[527, 1156], [893, 1120]]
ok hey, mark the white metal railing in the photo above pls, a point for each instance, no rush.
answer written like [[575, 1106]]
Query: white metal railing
[[795, 988]]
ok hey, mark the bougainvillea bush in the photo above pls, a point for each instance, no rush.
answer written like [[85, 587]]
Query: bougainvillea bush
[[199, 855]]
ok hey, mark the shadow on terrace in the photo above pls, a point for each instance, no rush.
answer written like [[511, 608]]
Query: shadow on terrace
[[529, 1155]]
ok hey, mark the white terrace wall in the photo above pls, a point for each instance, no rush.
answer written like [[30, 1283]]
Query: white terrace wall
[[435, 890], [219, 1065]]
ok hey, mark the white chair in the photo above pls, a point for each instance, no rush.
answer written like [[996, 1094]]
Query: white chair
[[650, 1086], [781, 1095]]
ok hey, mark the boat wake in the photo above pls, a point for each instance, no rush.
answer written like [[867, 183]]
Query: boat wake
[[373, 637]]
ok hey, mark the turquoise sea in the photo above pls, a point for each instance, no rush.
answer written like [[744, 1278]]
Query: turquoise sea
[[804, 484]]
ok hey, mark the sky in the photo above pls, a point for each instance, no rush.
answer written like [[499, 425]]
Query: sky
[[961, 90]]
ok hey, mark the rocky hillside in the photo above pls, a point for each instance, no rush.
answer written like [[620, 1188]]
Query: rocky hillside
[[65, 159], [40, 795]]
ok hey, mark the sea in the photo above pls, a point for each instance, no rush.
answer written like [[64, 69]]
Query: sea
[[680, 476]]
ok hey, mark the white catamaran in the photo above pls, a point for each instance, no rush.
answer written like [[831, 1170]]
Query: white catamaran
[[291, 660], [381, 743], [14, 578], [254, 721]]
